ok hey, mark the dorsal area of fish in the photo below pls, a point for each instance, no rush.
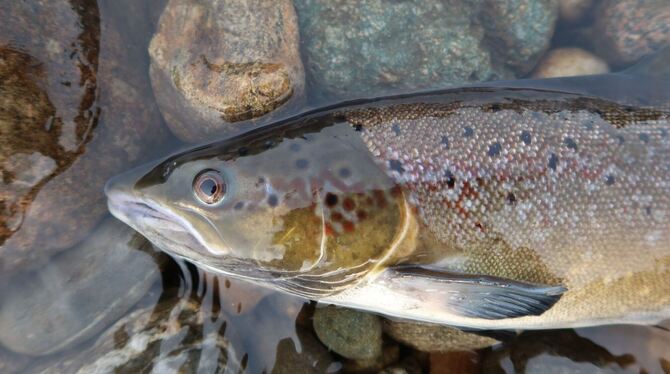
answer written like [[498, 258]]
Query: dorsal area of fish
[[581, 184]]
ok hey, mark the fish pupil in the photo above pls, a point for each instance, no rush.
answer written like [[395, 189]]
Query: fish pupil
[[208, 187]]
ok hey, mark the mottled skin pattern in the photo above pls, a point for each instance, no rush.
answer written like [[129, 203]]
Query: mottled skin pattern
[[550, 192], [522, 184]]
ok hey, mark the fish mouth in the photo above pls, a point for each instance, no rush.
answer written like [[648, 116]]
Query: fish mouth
[[166, 230]]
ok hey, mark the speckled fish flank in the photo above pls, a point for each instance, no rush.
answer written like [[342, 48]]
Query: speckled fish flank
[[522, 205]]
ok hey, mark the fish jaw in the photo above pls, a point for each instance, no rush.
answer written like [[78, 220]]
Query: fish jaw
[[167, 229]]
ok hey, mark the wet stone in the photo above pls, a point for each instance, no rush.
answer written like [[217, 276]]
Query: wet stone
[[349, 333], [181, 337], [454, 363], [73, 115], [574, 10], [568, 62], [519, 31], [82, 291], [435, 338], [355, 48], [217, 63], [627, 30]]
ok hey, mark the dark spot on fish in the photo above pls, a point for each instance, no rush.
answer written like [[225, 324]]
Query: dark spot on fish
[[609, 180], [451, 181], [239, 205], [348, 204], [647, 210], [468, 131], [239, 308], [598, 112], [570, 143], [621, 139], [344, 173], [331, 199], [361, 215], [525, 137], [644, 137], [294, 147], [358, 128], [495, 149], [396, 165], [273, 200], [511, 198], [553, 161], [589, 124], [496, 108], [336, 216], [226, 283], [445, 142], [243, 151], [301, 163], [396, 129]]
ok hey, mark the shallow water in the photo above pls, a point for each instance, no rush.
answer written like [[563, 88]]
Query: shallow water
[[181, 317]]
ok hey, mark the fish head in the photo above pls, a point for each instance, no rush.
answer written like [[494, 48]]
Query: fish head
[[306, 205]]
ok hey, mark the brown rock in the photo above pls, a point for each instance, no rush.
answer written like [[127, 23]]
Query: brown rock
[[574, 10], [77, 108], [454, 363], [435, 338], [568, 62], [217, 63], [627, 30]]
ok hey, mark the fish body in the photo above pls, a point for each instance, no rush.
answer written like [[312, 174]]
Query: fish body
[[529, 205]]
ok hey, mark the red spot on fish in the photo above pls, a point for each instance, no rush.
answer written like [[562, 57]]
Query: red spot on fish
[[348, 204], [348, 226], [329, 230], [380, 199], [336, 216], [361, 215], [369, 201], [396, 191], [479, 226]]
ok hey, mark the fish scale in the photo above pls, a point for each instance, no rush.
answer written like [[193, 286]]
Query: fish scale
[[590, 205]]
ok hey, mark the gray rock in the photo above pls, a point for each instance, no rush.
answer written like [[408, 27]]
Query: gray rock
[[216, 63], [627, 30], [350, 333], [181, 337], [355, 48], [518, 31], [82, 291], [435, 338], [77, 108]]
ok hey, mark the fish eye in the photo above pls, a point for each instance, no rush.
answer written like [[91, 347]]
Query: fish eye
[[209, 186]]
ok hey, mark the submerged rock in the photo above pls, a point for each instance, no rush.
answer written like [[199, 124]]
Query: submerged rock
[[627, 30], [519, 31], [357, 48], [175, 338], [568, 62], [455, 362], [350, 333], [76, 109], [435, 338], [216, 63], [574, 10], [81, 291]]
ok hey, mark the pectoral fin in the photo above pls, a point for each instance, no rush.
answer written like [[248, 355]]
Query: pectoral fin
[[474, 296]]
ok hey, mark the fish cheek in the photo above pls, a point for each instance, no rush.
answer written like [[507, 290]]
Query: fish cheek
[[334, 240]]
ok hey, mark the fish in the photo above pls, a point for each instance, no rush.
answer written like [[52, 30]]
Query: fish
[[528, 204]]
